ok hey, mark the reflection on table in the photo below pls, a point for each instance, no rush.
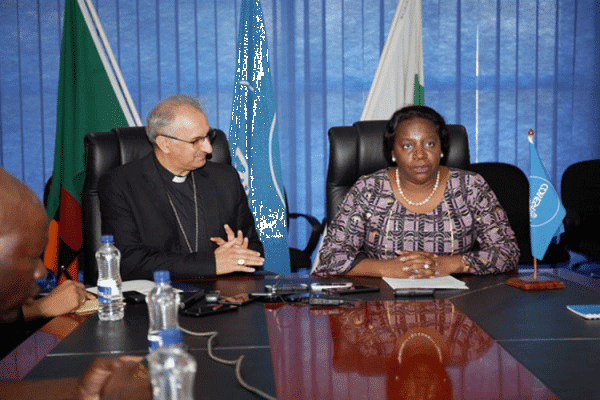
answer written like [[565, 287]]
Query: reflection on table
[[385, 349]]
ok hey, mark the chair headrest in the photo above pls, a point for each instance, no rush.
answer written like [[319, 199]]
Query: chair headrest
[[134, 144]]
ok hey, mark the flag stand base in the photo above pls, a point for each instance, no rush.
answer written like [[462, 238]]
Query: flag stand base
[[530, 283]]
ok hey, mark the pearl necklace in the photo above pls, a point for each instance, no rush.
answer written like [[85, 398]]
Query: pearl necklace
[[420, 203]]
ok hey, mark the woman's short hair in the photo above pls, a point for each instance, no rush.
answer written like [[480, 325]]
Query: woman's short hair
[[161, 117], [410, 112]]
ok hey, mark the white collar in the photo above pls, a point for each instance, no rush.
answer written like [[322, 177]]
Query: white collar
[[179, 179]]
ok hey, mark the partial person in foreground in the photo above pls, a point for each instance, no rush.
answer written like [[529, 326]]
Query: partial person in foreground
[[23, 237], [174, 209], [63, 299], [417, 218]]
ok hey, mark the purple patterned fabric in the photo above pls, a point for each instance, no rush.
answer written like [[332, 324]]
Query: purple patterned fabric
[[468, 221]]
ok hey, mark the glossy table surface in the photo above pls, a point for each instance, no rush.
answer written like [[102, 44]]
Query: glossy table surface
[[391, 349], [491, 341]]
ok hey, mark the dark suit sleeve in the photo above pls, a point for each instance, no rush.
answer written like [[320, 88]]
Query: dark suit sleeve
[[145, 240]]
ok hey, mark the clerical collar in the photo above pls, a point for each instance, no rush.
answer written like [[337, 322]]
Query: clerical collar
[[179, 179], [167, 175]]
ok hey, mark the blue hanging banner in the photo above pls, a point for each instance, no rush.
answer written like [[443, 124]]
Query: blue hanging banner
[[253, 138]]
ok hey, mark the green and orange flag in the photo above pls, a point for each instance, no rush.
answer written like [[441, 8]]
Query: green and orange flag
[[91, 97]]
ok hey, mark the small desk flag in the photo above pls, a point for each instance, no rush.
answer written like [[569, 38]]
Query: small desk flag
[[546, 211], [253, 137]]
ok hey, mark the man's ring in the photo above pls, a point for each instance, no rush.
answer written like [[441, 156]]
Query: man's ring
[[241, 261], [426, 266], [415, 271]]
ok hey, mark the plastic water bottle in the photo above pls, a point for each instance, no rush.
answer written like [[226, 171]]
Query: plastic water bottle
[[172, 369], [163, 306], [110, 294]]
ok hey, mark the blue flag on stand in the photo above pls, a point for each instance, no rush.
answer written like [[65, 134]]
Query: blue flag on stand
[[546, 212], [253, 138]]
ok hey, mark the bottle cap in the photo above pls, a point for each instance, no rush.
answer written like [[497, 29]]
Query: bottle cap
[[107, 239], [171, 337], [162, 276]]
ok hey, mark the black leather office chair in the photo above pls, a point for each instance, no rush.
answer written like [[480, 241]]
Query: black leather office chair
[[106, 150], [511, 186], [358, 150], [580, 193], [302, 259]]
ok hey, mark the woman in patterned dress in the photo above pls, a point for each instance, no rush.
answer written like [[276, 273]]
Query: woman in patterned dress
[[418, 218]]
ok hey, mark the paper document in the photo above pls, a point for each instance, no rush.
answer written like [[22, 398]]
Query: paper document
[[443, 282]]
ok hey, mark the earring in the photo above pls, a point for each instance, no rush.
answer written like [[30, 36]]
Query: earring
[[393, 159], [442, 155]]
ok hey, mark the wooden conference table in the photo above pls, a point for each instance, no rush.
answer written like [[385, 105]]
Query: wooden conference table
[[489, 342]]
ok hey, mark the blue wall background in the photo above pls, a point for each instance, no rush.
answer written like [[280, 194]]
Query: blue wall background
[[538, 68]]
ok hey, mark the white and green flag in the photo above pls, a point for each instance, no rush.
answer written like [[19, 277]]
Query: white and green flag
[[399, 80]]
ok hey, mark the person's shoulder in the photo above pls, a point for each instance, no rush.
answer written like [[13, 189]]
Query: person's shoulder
[[371, 184], [373, 177], [218, 169], [133, 167], [221, 175], [465, 176], [467, 181], [131, 171]]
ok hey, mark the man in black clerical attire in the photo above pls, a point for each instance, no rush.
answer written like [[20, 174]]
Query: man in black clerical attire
[[174, 209]]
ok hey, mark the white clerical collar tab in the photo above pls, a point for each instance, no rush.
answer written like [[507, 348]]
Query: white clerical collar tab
[[179, 179]]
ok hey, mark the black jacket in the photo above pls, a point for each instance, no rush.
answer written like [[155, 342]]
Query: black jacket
[[135, 209]]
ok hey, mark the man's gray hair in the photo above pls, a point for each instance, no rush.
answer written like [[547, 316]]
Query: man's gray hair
[[161, 117]]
